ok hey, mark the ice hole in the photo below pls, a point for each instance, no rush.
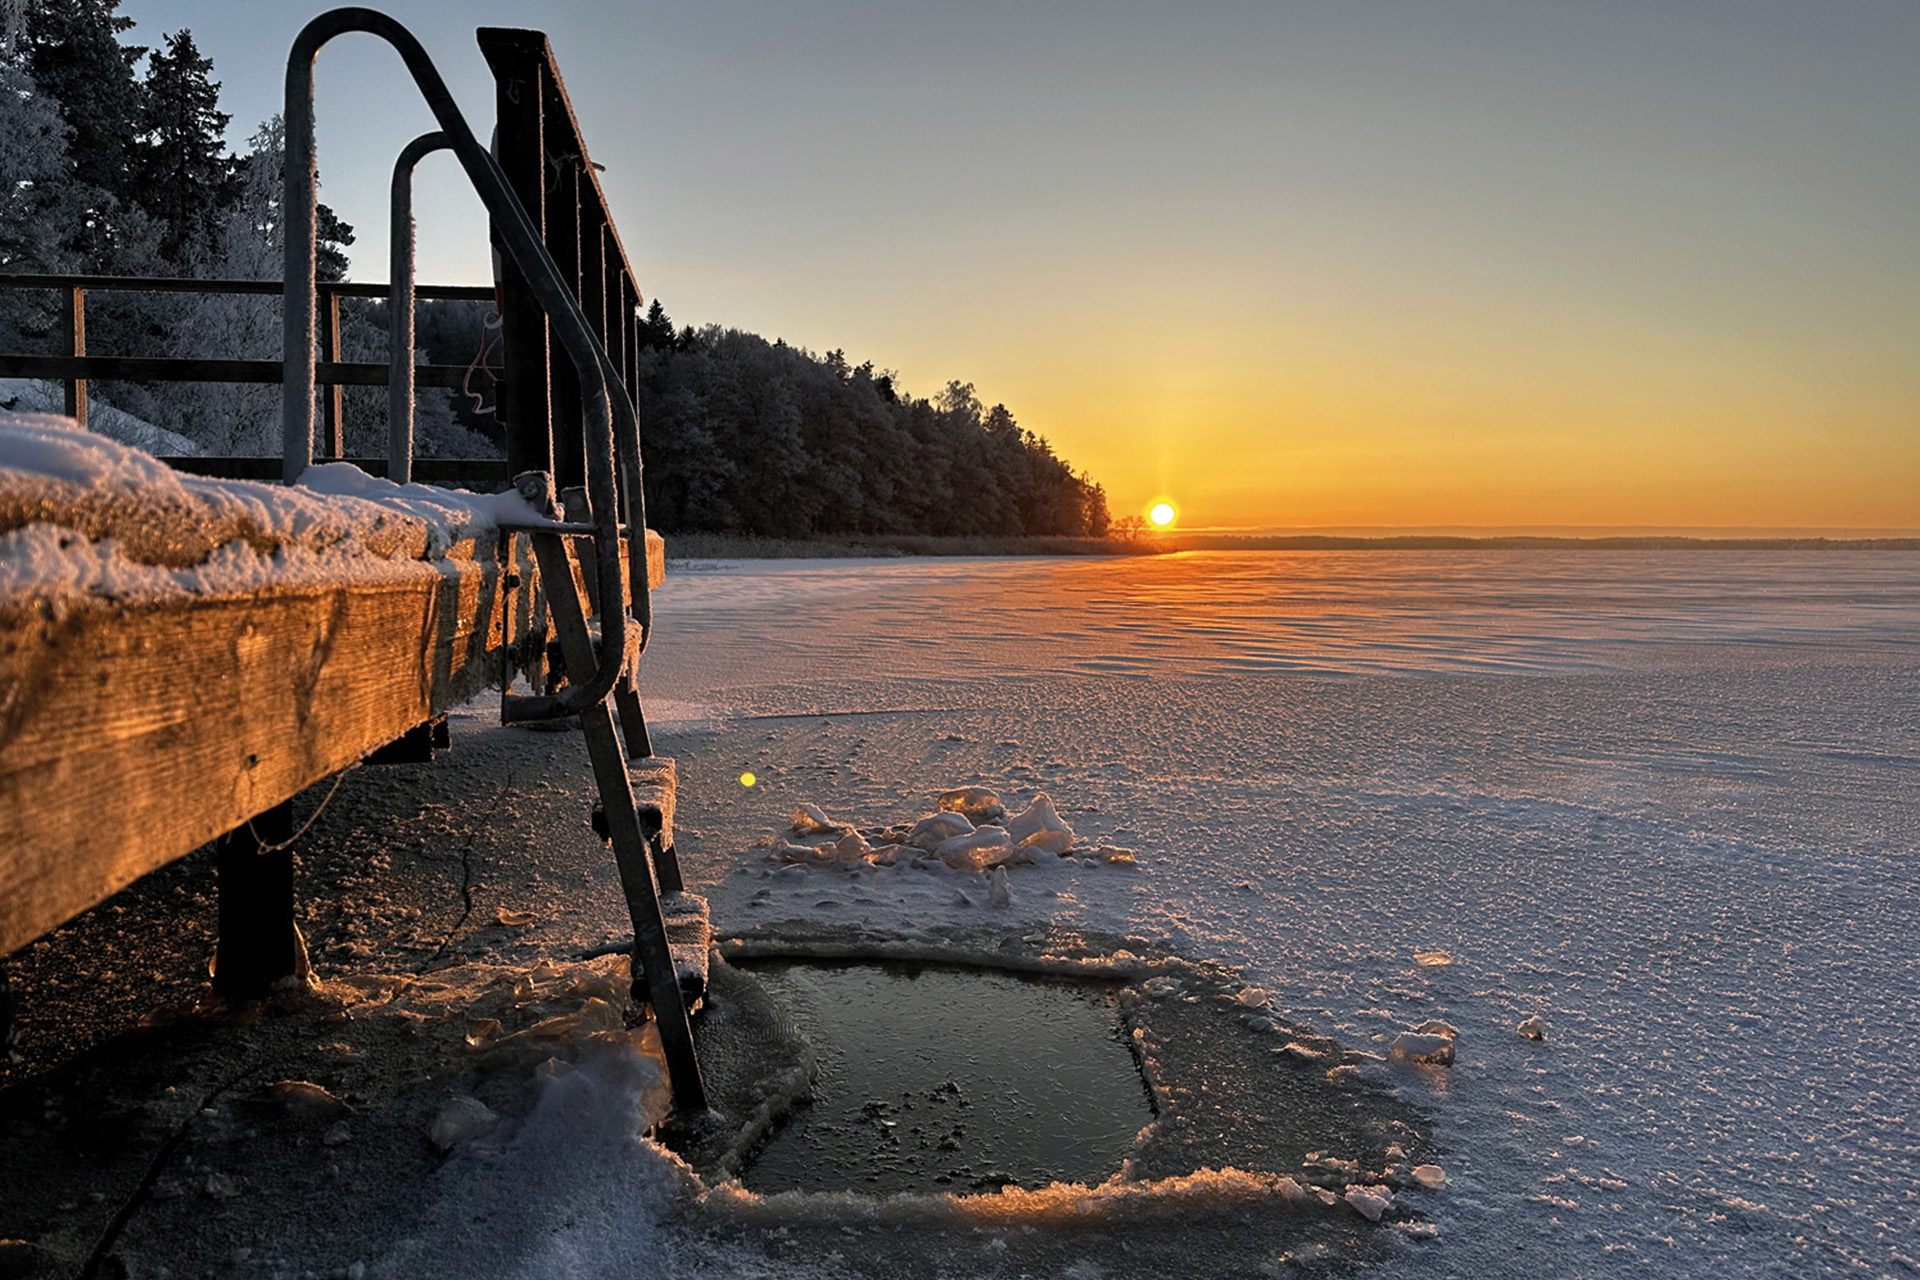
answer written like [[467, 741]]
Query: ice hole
[[936, 1078]]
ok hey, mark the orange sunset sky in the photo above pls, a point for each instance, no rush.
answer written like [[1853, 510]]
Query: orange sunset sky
[[1347, 264]]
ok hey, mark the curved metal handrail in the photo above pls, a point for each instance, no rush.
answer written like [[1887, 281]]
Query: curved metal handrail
[[400, 306], [523, 243]]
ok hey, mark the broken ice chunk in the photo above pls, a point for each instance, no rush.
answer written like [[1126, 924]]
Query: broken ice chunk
[[1370, 1202], [1430, 1176], [999, 892], [930, 832], [977, 803], [1037, 817], [1048, 842], [1532, 1028], [974, 851], [784, 850], [851, 848], [1417, 1046], [809, 819], [461, 1120], [1435, 1027], [1253, 997]]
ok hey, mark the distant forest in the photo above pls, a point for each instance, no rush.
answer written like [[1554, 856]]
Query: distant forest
[[113, 161]]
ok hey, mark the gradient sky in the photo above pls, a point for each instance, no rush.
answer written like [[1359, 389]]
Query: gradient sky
[[1431, 263]]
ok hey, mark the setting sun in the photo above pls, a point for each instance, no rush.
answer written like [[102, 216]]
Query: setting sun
[[1161, 514]]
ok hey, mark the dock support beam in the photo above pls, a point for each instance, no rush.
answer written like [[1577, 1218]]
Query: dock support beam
[[259, 946]]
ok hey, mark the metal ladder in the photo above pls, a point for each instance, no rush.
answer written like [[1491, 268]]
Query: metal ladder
[[613, 471]]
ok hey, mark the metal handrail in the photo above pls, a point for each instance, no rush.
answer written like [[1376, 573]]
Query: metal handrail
[[400, 307], [522, 242]]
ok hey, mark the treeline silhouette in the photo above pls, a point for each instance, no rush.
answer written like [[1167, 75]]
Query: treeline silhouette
[[743, 435]]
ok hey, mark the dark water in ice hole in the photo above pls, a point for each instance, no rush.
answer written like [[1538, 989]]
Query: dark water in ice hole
[[949, 1079]]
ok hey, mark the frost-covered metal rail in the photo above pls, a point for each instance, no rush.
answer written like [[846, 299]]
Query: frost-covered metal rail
[[181, 657]]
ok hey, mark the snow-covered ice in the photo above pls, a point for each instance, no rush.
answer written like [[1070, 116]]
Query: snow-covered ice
[[1657, 806], [1661, 801]]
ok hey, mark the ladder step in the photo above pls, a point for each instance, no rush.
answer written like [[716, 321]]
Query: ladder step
[[654, 782], [690, 939]]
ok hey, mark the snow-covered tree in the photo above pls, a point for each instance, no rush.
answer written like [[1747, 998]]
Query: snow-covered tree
[[185, 175], [72, 50], [234, 418], [38, 192]]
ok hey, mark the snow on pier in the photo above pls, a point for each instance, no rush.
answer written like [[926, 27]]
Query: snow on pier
[[178, 654]]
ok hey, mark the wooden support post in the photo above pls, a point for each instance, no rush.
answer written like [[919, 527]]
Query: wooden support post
[[593, 272], [563, 242], [652, 958], [73, 333], [334, 424], [415, 746], [518, 60], [259, 943]]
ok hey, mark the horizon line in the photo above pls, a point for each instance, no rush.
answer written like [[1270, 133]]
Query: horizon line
[[1704, 531]]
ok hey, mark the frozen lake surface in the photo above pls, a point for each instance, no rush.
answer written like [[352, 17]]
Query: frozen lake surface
[[1665, 801]]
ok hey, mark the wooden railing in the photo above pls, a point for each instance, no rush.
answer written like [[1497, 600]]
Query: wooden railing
[[75, 367], [538, 144]]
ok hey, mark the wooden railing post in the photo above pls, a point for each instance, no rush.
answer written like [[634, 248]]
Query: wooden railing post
[[73, 333], [333, 423], [518, 60], [563, 242]]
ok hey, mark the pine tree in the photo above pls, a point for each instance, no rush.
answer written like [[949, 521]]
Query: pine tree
[[13, 27], [75, 56], [185, 177], [39, 201], [656, 331]]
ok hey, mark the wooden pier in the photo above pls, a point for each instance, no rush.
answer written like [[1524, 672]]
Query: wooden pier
[[135, 728], [132, 734]]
